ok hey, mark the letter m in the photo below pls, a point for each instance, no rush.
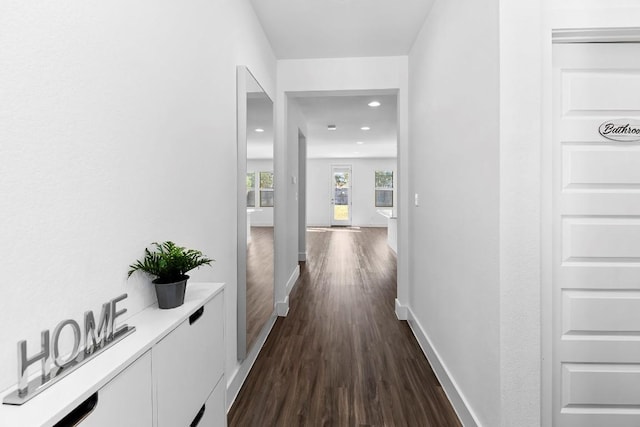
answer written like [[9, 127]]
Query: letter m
[[94, 339]]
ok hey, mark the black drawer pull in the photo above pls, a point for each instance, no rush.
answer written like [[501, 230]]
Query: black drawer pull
[[198, 417], [74, 417], [195, 316]]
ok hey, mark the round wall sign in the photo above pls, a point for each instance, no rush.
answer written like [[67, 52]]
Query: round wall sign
[[623, 130]]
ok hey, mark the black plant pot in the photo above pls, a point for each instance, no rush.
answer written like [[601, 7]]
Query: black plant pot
[[170, 295]]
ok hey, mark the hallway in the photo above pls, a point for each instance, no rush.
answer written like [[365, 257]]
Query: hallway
[[340, 357]]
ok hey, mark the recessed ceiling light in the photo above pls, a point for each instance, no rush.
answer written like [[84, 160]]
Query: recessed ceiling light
[[365, 128], [359, 142], [331, 127], [259, 130], [374, 104]]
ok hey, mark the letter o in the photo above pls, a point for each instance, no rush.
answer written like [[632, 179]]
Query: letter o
[[57, 359]]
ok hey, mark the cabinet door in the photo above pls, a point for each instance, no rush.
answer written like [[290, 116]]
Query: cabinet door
[[125, 401], [187, 364], [213, 412]]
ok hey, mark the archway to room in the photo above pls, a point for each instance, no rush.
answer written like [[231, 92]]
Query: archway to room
[[348, 169]]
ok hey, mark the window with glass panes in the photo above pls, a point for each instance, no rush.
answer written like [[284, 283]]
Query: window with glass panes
[[266, 189], [384, 189]]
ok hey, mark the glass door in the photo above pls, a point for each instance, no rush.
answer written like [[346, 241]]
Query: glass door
[[341, 195]]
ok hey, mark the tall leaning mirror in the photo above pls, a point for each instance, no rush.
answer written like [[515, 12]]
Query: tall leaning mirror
[[255, 210]]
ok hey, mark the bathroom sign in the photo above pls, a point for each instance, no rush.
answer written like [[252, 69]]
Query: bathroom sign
[[622, 130]]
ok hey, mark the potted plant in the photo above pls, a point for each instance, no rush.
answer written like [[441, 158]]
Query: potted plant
[[169, 263]]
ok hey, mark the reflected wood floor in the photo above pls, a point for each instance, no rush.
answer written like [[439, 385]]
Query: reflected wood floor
[[259, 281], [341, 358]]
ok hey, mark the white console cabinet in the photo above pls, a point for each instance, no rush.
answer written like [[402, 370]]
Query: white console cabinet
[[183, 388], [168, 373]]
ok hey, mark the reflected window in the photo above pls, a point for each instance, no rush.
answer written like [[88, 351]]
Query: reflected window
[[251, 189], [384, 189], [266, 189]]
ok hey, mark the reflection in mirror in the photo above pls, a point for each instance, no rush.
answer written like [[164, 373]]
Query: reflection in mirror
[[255, 210]]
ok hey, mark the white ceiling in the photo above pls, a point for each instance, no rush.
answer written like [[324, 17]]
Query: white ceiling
[[259, 116], [349, 114], [341, 28], [334, 29]]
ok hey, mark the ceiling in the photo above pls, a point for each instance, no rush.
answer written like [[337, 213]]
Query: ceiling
[[259, 125], [349, 114], [341, 28]]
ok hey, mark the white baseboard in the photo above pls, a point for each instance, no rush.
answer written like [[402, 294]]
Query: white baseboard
[[377, 225], [401, 311], [292, 279], [449, 385], [282, 307], [302, 256], [238, 378]]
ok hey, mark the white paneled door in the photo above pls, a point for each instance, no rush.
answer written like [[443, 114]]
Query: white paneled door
[[596, 235]]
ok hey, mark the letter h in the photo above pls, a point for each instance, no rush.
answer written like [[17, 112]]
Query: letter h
[[24, 362]]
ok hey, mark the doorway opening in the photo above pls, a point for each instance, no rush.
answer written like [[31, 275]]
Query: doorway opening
[[347, 162], [341, 195]]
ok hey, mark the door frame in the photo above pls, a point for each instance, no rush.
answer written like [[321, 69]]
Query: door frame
[[558, 36], [334, 222], [302, 196]]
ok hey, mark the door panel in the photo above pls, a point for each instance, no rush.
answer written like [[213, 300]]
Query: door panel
[[589, 313], [341, 195], [189, 364], [601, 167], [601, 384], [126, 401], [596, 238]]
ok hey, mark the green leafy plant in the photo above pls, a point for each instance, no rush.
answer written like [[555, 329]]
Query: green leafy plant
[[169, 262]]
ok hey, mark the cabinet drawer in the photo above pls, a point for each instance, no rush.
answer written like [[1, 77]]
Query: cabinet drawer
[[214, 414], [125, 401], [188, 363]]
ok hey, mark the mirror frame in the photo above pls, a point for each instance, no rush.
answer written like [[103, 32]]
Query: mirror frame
[[242, 76]]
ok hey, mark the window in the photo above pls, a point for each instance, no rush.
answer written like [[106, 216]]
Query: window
[[384, 189], [251, 189], [266, 189]]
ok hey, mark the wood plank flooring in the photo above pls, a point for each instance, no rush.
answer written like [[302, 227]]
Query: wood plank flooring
[[259, 281], [341, 358]]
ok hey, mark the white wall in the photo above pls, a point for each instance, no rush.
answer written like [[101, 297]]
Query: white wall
[[523, 301], [297, 77], [454, 168], [263, 216], [524, 233], [118, 126], [296, 123], [520, 213], [363, 208], [590, 14]]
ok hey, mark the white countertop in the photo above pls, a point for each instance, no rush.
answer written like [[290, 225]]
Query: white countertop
[[387, 213], [152, 324]]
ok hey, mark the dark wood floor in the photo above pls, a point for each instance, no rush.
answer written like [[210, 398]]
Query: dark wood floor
[[341, 358], [259, 281]]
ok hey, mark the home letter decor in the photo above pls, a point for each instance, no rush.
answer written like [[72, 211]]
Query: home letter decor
[[94, 343]]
